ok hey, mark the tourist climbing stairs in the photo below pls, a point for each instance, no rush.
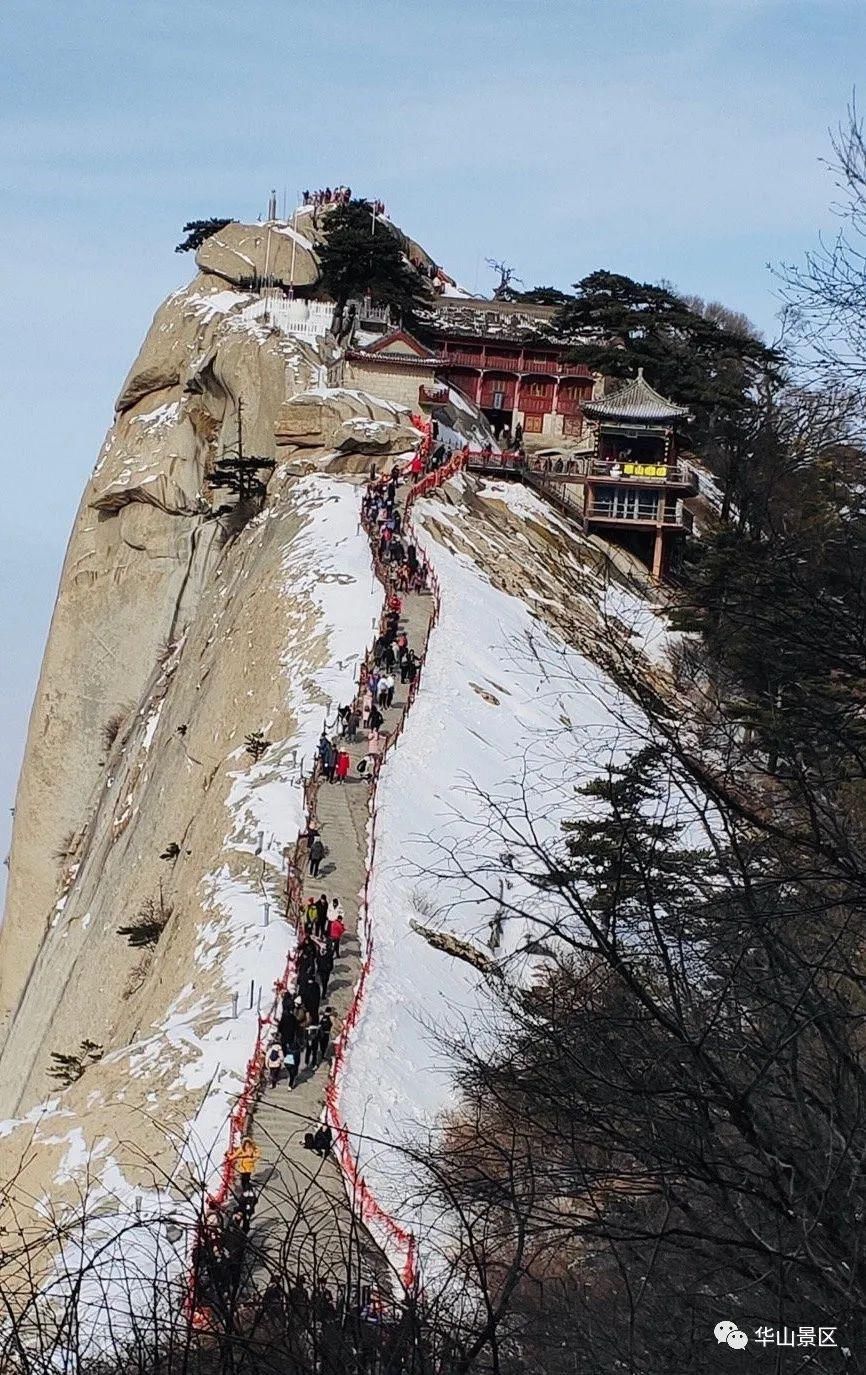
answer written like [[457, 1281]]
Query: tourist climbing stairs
[[308, 1220]]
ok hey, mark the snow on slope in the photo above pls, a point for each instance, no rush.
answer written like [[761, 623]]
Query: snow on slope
[[327, 566], [493, 717], [198, 1048]]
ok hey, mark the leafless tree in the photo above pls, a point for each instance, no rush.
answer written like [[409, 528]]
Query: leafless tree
[[825, 296], [171, 1284], [672, 1128]]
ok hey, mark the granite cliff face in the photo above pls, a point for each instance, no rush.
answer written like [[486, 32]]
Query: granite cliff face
[[182, 626], [179, 628]]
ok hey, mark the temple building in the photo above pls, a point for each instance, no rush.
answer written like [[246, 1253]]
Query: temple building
[[398, 367], [634, 480], [498, 354]]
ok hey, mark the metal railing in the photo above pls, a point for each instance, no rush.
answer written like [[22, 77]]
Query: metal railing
[[299, 318], [365, 310], [607, 510]]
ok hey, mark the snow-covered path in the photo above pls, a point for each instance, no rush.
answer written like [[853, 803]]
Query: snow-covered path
[[304, 1204]]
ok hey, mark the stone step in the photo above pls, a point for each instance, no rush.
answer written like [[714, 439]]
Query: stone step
[[298, 1189]]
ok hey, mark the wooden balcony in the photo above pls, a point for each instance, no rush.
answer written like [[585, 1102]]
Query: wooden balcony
[[463, 360], [574, 370], [678, 475], [517, 363], [550, 366]]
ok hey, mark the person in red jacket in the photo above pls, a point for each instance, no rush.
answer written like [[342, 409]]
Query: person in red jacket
[[344, 760], [336, 931]]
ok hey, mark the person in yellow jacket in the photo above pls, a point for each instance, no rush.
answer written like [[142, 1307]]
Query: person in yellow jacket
[[245, 1158]]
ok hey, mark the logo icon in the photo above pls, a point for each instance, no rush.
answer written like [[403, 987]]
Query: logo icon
[[727, 1332]]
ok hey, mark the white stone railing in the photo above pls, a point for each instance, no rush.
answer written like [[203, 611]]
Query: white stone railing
[[301, 319]]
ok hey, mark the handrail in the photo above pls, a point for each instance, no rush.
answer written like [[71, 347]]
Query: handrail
[[369, 1208]]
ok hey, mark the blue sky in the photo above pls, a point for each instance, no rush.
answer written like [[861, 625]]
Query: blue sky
[[676, 139]]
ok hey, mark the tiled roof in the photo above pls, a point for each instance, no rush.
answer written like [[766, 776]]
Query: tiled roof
[[636, 400], [378, 360], [493, 319]]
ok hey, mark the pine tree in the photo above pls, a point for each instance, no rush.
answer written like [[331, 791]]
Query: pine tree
[[783, 615], [541, 296], [239, 475], [256, 745], [197, 231], [619, 325], [238, 472], [628, 854], [362, 255], [67, 1069]]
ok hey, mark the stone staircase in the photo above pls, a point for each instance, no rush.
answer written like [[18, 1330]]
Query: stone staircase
[[304, 1216]]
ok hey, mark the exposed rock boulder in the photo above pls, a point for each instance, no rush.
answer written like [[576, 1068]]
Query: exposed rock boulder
[[181, 328], [151, 457], [136, 564], [243, 253], [346, 421]]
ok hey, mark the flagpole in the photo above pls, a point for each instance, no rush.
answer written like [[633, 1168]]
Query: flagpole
[[292, 265]]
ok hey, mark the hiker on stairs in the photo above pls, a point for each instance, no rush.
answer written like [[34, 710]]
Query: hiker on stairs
[[325, 966], [366, 707], [331, 766], [311, 994], [274, 1060], [245, 1158], [336, 929], [326, 1022], [311, 1053], [291, 1059], [317, 854], [311, 916], [287, 1027]]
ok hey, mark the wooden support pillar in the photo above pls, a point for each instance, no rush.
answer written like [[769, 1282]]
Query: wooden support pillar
[[658, 553]]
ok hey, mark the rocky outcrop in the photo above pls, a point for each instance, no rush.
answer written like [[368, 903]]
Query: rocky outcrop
[[183, 325], [140, 552], [182, 624], [459, 949], [246, 253], [347, 421]]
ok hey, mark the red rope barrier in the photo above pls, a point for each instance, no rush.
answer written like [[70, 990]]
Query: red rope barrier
[[371, 1212]]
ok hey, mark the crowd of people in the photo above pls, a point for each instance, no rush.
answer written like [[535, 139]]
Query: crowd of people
[[301, 1039], [397, 555], [337, 195], [303, 1032]]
